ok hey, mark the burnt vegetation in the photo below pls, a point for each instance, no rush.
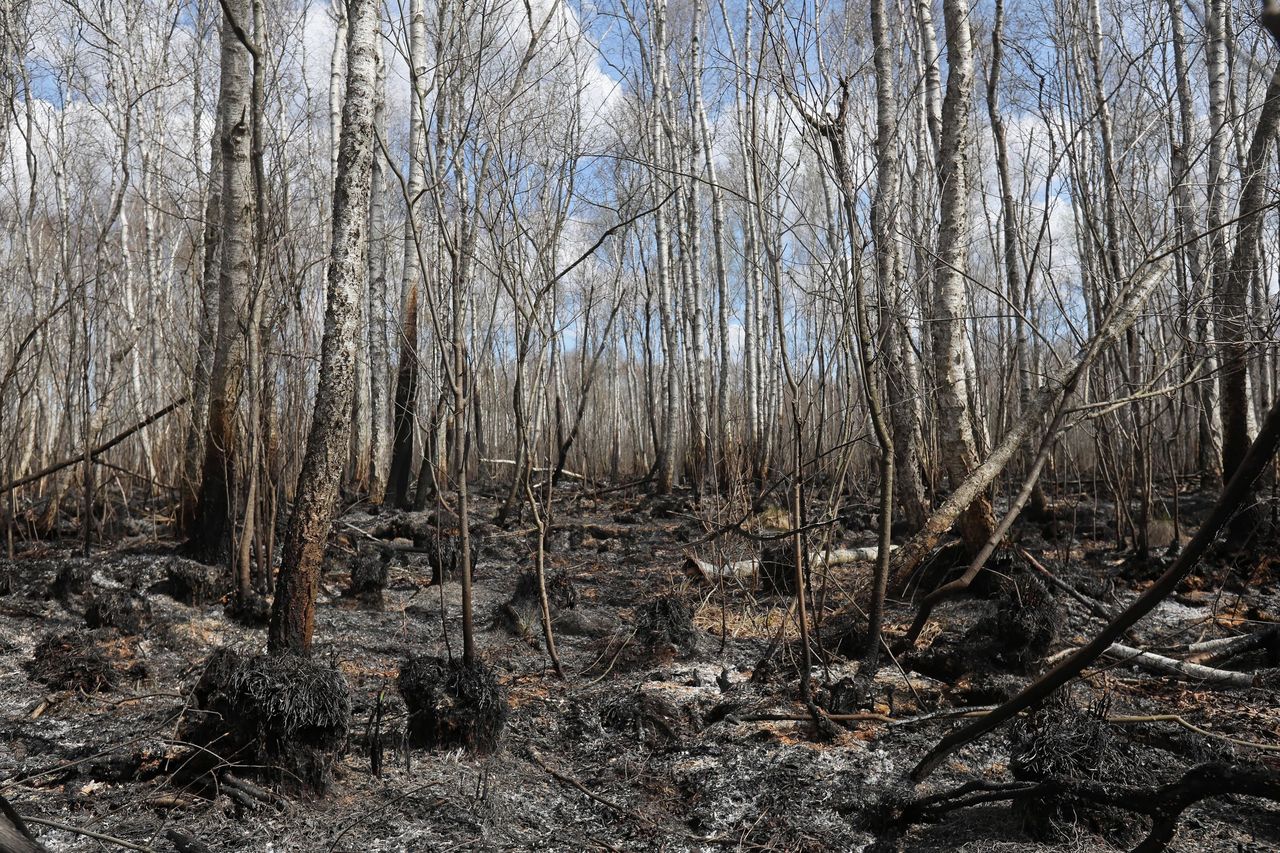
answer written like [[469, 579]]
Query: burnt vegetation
[[647, 425]]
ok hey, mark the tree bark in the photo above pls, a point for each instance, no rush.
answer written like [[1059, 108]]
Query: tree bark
[[293, 612], [212, 532]]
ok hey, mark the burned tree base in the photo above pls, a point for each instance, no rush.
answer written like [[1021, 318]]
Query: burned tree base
[[284, 715], [452, 703]]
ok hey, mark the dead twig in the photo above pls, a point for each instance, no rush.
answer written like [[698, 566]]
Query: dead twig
[[574, 783], [88, 833]]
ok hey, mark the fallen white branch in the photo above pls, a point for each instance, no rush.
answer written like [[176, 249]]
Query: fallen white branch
[[564, 472], [1181, 669], [738, 569]]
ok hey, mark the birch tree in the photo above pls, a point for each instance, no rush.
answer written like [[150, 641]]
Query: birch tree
[[950, 304], [293, 611], [211, 534]]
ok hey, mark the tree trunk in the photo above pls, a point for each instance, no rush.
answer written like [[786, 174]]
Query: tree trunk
[[293, 612], [212, 533], [1231, 295], [950, 303], [406, 406], [379, 342]]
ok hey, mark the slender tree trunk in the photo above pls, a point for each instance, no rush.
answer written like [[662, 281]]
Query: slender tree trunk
[[379, 340], [950, 303], [212, 533], [1208, 452], [406, 406], [1231, 295], [293, 612], [193, 455]]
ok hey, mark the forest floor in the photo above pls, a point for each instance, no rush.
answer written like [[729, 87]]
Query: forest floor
[[643, 747]]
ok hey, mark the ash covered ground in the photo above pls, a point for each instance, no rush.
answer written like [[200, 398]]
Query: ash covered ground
[[661, 738]]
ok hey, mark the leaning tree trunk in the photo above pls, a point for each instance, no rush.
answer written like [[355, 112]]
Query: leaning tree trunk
[[950, 305], [909, 557], [293, 613], [211, 534]]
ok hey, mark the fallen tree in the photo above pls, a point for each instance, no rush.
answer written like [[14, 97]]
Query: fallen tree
[[1064, 380], [1163, 804], [1260, 454]]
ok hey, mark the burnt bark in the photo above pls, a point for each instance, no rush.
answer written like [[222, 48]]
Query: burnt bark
[[293, 613]]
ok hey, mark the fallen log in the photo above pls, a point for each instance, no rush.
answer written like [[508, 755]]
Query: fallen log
[[1178, 668], [710, 573], [1226, 648]]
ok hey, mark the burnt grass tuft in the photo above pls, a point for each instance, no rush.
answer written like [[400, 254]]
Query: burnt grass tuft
[[127, 612], [196, 583], [285, 714], [370, 570], [79, 661], [521, 614], [664, 627], [1065, 739], [452, 703]]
